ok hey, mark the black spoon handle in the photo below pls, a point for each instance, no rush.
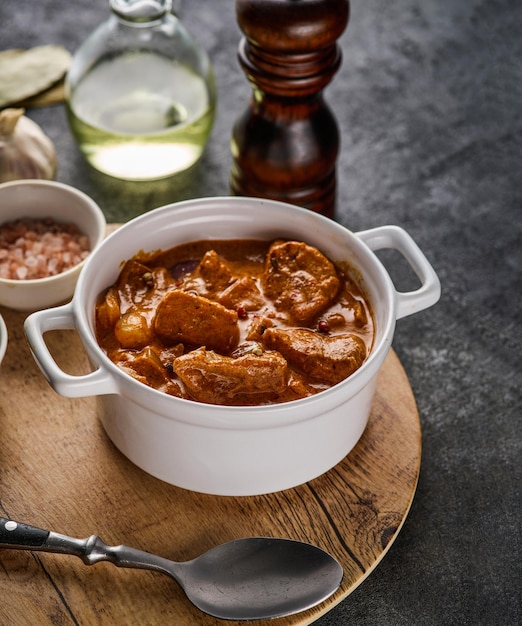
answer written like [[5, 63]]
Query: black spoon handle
[[22, 536], [19, 536]]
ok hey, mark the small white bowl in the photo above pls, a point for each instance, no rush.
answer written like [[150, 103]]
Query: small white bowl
[[62, 203], [3, 338]]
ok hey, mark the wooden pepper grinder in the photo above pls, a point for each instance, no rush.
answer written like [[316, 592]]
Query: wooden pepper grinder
[[285, 144]]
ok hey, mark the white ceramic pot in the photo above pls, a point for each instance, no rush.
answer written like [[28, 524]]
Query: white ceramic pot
[[219, 449]]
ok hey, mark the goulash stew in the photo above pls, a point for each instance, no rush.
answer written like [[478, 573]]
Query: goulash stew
[[235, 322]]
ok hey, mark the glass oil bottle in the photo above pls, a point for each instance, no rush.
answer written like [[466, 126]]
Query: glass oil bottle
[[140, 93]]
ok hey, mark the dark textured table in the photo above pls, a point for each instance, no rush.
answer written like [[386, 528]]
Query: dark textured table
[[429, 103]]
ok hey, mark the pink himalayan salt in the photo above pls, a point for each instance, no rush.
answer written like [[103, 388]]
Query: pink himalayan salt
[[36, 248]]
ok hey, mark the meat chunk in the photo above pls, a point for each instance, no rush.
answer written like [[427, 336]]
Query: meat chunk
[[323, 358], [147, 367], [242, 292], [214, 270], [216, 379], [299, 279], [211, 275], [132, 284], [108, 310], [257, 327], [196, 321]]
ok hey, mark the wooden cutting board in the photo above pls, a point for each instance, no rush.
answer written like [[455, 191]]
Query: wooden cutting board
[[59, 471]]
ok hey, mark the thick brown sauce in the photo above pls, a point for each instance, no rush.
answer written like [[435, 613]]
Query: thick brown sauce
[[235, 322]]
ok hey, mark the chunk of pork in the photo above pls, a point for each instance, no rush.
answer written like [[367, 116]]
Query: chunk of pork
[[216, 379], [299, 280], [323, 358], [196, 321]]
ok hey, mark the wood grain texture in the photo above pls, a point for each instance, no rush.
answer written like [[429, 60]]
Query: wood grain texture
[[58, 470]]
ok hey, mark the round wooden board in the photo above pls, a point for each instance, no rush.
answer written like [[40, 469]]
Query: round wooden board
[[58, 470]]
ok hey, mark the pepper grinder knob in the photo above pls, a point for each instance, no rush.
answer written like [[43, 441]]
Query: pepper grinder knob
[[285, 144]]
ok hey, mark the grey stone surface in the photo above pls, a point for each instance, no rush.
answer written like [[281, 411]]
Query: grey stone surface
[[429, 103]]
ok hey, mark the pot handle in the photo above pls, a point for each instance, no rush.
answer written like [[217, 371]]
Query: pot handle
[[396, 238], [95, 383]]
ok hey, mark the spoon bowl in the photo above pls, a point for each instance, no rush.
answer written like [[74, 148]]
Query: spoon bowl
[[252, 578]]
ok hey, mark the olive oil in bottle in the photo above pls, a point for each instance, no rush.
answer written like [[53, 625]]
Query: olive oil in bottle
[[140, 94]]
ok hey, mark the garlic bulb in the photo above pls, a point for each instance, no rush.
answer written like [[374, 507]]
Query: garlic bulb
[[25, 150]]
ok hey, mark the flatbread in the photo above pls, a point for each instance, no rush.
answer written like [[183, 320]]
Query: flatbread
[[25, 73]]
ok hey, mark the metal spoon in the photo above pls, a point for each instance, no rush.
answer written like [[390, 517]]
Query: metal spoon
[[246, 579]]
